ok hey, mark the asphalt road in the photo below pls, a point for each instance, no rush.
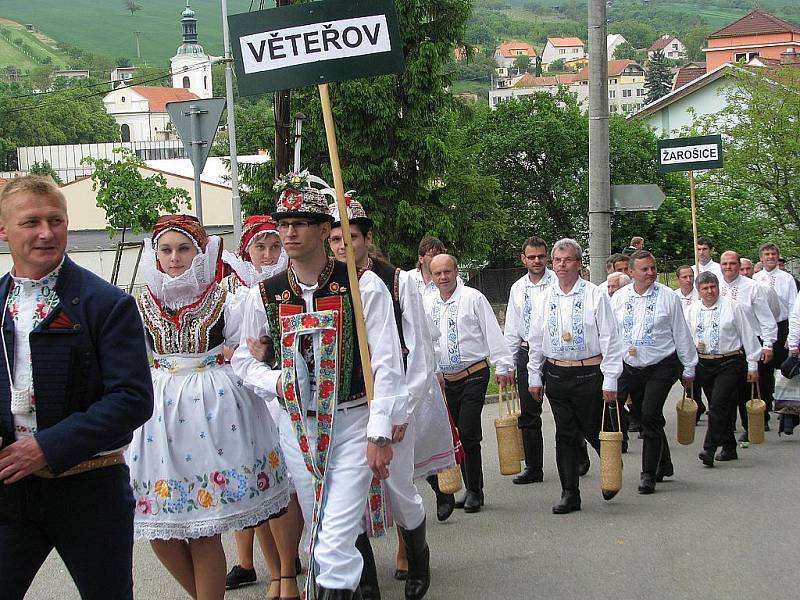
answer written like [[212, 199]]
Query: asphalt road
[[727, 532]]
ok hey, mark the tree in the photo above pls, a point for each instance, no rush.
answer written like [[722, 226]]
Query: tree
[[522, 63], [44, 168], [658, 80], [132, 6], [557, 65], [123, 61], [638, 33], [695, 41], [626, 50], [130, 200]]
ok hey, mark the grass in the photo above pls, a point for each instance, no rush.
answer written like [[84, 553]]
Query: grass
[[11, 55]]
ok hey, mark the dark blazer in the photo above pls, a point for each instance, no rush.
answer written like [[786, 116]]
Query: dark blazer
[[90, 370]]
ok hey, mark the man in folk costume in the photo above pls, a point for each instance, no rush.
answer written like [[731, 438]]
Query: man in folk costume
[[729, 352], [429, 247], [342, 440], [469, 337], [576, 358], [406, 503], [658, 350], [523, 293]]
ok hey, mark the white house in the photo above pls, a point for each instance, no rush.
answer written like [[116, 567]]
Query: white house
[[141, 111], [671, 46], [614, 41], [507, 52], [191, 66], [562, 48]]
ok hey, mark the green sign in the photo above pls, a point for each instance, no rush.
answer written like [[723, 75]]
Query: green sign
[[319, 42], [690, 154], [636, 197]]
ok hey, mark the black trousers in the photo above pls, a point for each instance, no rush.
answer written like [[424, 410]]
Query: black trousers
[[530, 410], [766, 372], [465, 399], [721, 381], [87, 518], [648, 388], [576, 399]]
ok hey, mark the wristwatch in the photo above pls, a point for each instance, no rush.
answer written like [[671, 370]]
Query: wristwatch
[[380, 441]]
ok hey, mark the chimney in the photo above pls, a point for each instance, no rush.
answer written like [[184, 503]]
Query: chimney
[[790, 57]]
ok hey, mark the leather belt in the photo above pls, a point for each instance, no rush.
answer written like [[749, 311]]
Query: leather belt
[[464, 373], [726, 355], [586, 362], [313, 413], [99, 462]]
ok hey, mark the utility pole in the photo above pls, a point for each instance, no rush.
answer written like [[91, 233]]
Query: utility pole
[[138, 51], [236, 203], [283, 124], [599, 177]]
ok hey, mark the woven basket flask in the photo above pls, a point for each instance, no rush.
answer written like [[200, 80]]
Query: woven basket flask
[[756, 409], [450, 481], [687, 419], [516, 410], [505, 426], [611, 454]]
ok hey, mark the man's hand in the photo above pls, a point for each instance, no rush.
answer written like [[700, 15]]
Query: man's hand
[[537, 393], [752, 376], [766, 355], [398, 433], [687, 383], [794, 351], [609, 397], [20, 459], [378, 459], [261, 349], [506, 379]]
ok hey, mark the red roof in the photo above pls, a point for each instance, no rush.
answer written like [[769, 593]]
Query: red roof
[[560, 42], [157, 97], [529, 81], [688, 73], [755, 23], [661, 43], [509, 49], [615, 68]]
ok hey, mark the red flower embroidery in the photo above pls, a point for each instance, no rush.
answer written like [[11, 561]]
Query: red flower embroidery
[[262, 481], [291, 199], [303, 443], [328, 336], [40, 312], [295, 416], [323, 441], [288, 340], [220, 359], [309, 321], [374, 502], [327, 364], [317, 492], [288, 363], [325, 418], [326, 388], [155, 363]]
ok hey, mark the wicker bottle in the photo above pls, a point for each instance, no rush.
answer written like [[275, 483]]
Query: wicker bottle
[[611, 453], [687, 419], [756, 410], [505, 426]]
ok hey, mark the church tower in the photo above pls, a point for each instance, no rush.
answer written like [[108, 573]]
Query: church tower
[[191, 66]]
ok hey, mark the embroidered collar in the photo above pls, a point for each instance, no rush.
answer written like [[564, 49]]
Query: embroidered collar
[[547, 279], [649, 291], [362, 270], [575, 288], [714, 306], [48, 280], [323, 278], [455, 295]]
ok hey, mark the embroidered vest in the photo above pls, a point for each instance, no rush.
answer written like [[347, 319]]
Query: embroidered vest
[[282, 296], [391, 277]]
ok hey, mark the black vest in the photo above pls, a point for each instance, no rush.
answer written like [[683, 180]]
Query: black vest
[[282, 295], [391, 277]]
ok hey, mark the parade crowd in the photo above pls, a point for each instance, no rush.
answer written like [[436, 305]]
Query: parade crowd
[[229, 395]]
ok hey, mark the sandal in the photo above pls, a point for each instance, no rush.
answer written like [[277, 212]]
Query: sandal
[[278, 597], [289, 597]]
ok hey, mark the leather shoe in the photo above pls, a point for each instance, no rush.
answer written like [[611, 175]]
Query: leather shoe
[[472, 502], [707, 458], [647, 484], [238, 577], [725, 455], [445, 506], [529, 475], [401, 574], [570, 502]]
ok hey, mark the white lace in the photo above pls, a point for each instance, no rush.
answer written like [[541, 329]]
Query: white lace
[[249, 273], [184, 289]]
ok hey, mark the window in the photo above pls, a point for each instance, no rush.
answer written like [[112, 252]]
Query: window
[[613, 81], [562, 50], [205, 82], [125, 132], [495, 101], [640, 92], [185, 83], [576, 50], [612, 93], [745, 56], [626, 93], [674, 46]]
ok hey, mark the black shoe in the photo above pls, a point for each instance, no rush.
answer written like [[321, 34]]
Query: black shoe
[[238, 576], [460, 502], [707, 458], [570, 502], [324, 593], [608, 495], [647, 484], [445, 506], [401, 574], [667, 471], [419, 559], [725, 455], [529, 475], [472, 502]]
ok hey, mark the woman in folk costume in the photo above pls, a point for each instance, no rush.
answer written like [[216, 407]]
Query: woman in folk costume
[[208, 461], [260, 256]]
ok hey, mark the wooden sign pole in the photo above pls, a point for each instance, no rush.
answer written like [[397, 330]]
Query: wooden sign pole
[[352, 273], [694, 222]]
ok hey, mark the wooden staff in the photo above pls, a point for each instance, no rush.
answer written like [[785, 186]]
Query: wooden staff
[[694, 221], [352, 273]]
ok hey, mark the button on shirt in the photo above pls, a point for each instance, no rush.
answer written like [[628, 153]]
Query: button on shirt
[[584, 317], [723, 328], [753, 298], [28, 303], [518, 312], [469, 331], [653, 327], [783, 284]]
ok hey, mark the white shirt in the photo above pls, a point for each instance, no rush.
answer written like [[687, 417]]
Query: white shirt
[[793, 341], [753, 298], [783, 283], [518, 312], [686, 301], [652, 327], [423, 288], [583, 316], [723, 328], [709, 266], [384, 346], [469, 331]]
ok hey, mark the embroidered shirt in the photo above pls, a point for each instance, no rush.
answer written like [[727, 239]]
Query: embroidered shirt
[[722, 328], [584, 317], [520, 302], [469, 331], [686, 301], [753, 298], [29, 302], [709, 266], [783, 283], [652, 327], [423, 288]]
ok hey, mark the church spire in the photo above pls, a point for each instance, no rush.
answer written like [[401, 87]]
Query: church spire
[[189, 25]]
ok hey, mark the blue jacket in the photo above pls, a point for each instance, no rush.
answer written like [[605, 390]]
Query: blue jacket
[[90, 370]]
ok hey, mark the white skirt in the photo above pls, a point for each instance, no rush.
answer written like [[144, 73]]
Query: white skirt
[[209, 459]]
